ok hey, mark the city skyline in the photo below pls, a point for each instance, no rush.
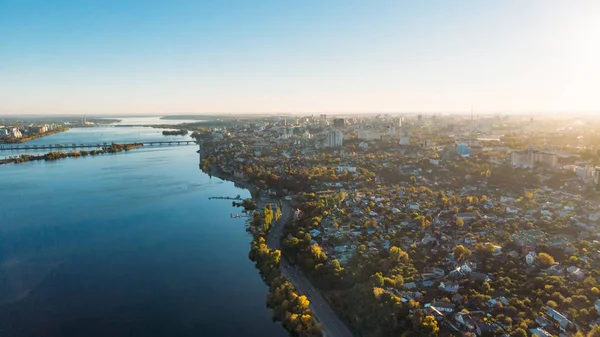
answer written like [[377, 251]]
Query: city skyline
[[154, 57]]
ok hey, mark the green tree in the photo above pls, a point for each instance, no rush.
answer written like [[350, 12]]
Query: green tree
[[377, 280], [595, 332], [519, 333], [429, 326], [545, 260], [399, 281], [398, 255], [461, 252]]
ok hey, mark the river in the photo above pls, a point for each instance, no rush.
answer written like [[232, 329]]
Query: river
[[125, 244]]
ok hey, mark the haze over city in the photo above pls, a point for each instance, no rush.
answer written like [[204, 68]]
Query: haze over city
[[160, 57]]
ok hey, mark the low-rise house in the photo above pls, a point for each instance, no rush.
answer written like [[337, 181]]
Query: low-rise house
[[450, 287], [530, 258], [464, 319], [542, 321], [477, 276], [539, 332], [410, 285], [444, 307], [433, 311], [413, 206], [439, 272], [497, 251], [470, 241], [466, 217], [558, 317], [512, 211], [575, 274], [555, 270]]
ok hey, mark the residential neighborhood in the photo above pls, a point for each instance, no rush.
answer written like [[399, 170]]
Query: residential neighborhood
[[435, 224]]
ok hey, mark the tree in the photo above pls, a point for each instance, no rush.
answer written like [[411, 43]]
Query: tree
[[461, 252], [397, 254], [342, 196], [460, 222], [589, 282], [545, 260], [595, 332], [429, 326], [377, 280], [424, 325], [303, 302], [399, 281], [484, 249], [519, 333]]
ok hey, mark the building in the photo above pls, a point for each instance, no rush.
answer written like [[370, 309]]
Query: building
[[530, 158], [15, 133], [405, 140], [350, 169], [463, 149], [426, 144], [597, 176], [339, 122], [585, 172], [334, 139], [530, 258], [466, 217], [368, 135], [558, 317], [398, 121]]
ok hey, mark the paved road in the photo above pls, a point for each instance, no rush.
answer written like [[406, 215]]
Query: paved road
[[333, 326]]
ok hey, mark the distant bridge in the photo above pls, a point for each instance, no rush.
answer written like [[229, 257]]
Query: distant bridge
[[13, 147]]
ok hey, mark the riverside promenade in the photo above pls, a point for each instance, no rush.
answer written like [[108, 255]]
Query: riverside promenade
[[332, 324]]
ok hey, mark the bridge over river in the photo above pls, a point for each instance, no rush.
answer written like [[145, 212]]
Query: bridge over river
[[14, 147]]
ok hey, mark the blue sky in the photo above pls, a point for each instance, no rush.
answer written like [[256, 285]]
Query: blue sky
[[134, 56]]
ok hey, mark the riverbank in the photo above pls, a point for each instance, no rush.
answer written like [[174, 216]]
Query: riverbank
[[51, 156], [289, 305], [9, 140], [254, 191]]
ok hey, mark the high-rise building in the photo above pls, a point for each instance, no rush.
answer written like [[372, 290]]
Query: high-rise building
[[334, 139], [398, 121], [339, 122], [597, 176], [15, 133]]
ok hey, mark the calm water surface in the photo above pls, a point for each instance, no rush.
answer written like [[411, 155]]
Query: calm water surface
[[125, 245]]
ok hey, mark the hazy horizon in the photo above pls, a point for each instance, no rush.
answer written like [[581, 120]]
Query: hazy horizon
[[353, 57]]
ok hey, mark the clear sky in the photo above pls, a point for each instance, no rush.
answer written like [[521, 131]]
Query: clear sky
[[194, 56]]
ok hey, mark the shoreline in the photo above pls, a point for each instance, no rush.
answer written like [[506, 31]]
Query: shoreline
[[32, 137], [283, 270], [254, 191]]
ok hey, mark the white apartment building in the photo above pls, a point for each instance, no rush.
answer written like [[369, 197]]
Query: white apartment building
[[334, 139], [15, 133]]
